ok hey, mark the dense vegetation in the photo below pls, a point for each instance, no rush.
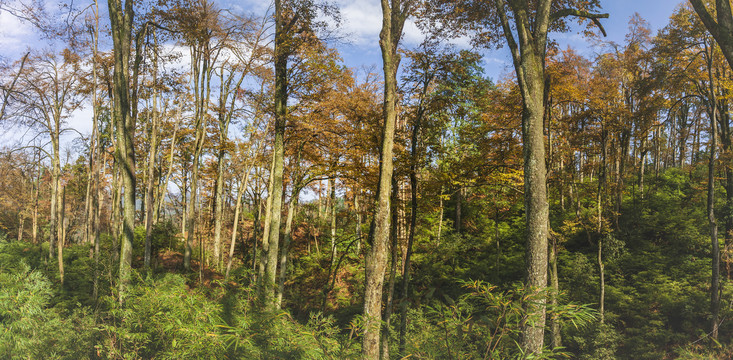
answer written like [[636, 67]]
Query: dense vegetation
[[234, 198]]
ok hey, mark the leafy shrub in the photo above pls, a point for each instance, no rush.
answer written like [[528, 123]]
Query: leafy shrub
[[162, 319], [482, 323], [29, 329]]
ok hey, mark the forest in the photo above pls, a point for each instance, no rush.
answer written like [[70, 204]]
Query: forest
[[196, 179]]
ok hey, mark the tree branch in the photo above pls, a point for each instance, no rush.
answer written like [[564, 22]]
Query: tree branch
[[705, 16], [581, 14]]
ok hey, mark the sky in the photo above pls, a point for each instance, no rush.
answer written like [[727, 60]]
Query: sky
[[362, 22], [363, 19], [360, 32]]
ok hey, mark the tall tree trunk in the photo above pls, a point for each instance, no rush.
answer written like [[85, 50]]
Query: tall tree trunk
[[536, 206], [394, 13], [394, 247], [359, 220], [237, 209], [281, 100], [292, 211], [150, 179], [414, 141], [599, 224], [459, 204], [121, 27], [200, 66], [34, 194], [219, 205], [555, 335], [60, 227], [332, 216], [266, 230], [715, 254]]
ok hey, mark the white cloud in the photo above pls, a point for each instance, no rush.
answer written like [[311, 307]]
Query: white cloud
[[15, 35], [362, 21]]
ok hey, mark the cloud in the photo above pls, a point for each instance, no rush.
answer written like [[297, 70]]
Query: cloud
[[362, 21], [15, 35]]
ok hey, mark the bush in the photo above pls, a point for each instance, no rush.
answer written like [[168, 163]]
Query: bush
[[30, 329]]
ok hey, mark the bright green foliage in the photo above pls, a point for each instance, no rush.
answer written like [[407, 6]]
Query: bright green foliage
[[162, 319], [482, 323], [29, 328]]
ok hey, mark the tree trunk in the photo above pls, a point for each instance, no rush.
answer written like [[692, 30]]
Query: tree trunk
[[121, 27], [200, 66], [528, 56], [720, 27], [715, 254], [357, 210], [459, 203], [394, 14], [60, 226], [599, 224], [394, 246], [292, 211], [555, 335], [266, 230], [332, 215], [281, 100], [536, 206], [219, 204], [150, 179]]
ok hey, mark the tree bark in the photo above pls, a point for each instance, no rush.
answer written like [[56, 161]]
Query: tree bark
[[394, 247], [722, 29], [121, 27], [394, 14], [332, 216], [715, 254], [200, 66], [292, 211], [281, 100], [150, 179]]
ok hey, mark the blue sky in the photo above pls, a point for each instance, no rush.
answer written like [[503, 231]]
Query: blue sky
[[363, 19], [361, 25]]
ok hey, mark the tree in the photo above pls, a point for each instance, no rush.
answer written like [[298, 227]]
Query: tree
[[296, 28], [394, 14], [121, 20], [524, 27], [722, 29], [50, 94]]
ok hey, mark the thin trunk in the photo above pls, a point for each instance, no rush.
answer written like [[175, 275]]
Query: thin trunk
[[394, 14], [394, 247], [240, 193], [54, 212], [163, 193], [440, 215], [459, 204], [599, 224], [332, 215], [34, 231], [555, 336], [266, 230], [278, 148], [61, 233], [715, 254], [357, 210], [21, 222], [150, 179], [202, 89], [292, 210]]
